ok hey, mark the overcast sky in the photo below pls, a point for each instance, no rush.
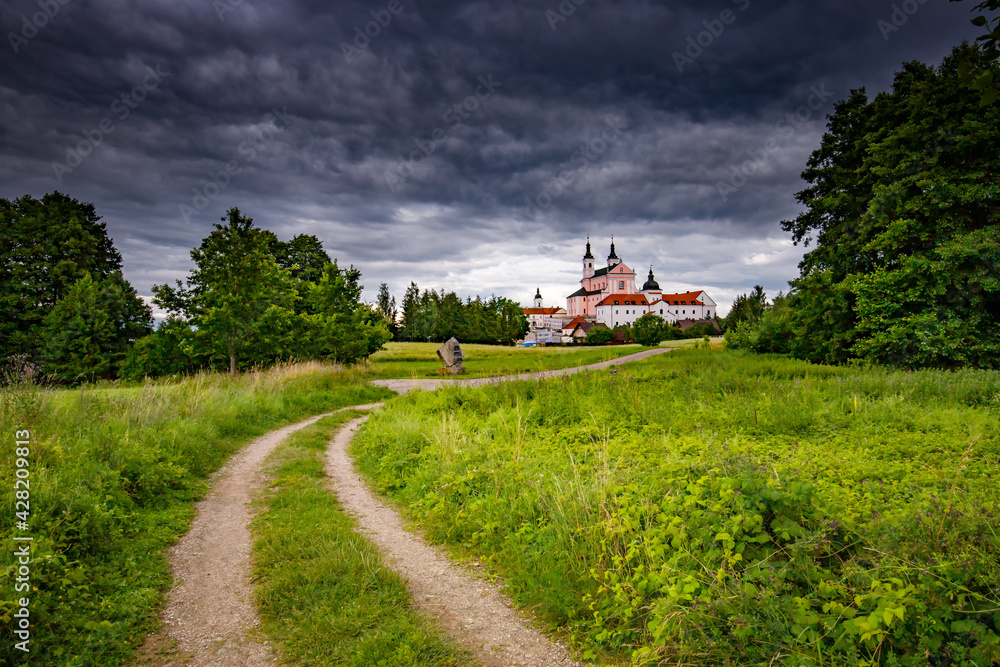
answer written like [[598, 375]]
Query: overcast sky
[[469, 146]]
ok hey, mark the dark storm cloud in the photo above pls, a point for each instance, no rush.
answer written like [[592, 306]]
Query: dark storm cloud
[[420, 149]]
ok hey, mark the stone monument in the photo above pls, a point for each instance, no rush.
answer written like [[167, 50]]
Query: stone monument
[[451, 356]]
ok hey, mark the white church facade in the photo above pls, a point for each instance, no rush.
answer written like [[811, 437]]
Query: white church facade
[[609, 295]]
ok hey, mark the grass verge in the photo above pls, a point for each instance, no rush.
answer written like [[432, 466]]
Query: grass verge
[[407, 360], [721, 508], [114, 475], [324, 595]]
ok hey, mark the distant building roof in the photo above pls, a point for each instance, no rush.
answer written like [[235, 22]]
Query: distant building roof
[[687, 324], [584, 292], [575, 322], [585, 327], [624, 300], [542, 311], [685, 299]]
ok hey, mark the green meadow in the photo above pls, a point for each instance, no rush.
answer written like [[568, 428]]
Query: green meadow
[[407, 360], [114, 474], [720, 508]]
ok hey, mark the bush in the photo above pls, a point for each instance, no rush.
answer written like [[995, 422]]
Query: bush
[[650, 330], [600, 335]]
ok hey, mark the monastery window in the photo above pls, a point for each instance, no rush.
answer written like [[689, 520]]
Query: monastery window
[[621, 284]]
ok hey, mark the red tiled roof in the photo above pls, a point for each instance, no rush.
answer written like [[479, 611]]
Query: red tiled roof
[[624, 300], [575, 322], [541, 311], [688, 298]]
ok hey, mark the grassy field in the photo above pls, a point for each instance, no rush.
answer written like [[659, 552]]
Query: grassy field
[[324, 594], [114, 474], [407, 360], [715, 342], [721, 508]]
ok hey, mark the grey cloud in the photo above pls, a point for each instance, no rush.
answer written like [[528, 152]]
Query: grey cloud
[[456, 216]]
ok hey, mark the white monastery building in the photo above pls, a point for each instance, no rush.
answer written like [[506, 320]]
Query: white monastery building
[[609, 296]]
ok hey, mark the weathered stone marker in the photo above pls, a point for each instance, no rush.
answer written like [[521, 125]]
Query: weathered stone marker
[[451, 356]]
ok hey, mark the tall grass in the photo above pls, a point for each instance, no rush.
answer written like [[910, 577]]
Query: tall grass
[[721, 508], [115, 471]]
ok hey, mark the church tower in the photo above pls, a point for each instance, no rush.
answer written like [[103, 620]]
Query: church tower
[[588, 262], [538, 298], [651, 288], [613, 258]]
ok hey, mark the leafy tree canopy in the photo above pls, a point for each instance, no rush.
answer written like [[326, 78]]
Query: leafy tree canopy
[[47, 245], [902, 214], [252, 299], [89, 331]]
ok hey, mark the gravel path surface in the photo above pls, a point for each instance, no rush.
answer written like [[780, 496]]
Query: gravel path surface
[[210, 611], [210, 614], [471, 610], [403, 386]]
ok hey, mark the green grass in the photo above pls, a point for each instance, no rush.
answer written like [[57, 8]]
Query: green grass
[[690, 342], [406, 360], [324, 594], [721, 508], [115, 471]]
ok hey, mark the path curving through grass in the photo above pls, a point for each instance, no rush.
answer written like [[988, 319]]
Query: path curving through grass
[[210, 617], [210, 614], [472, 611]]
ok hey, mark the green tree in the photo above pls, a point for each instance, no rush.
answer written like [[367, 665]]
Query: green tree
[[600, 335], [340, 328], [511, 323], [411, 308], [47, 245], [303, 256], [902, 210], [747, 307], [238, 297], [982, 80], [650, 330], [170, 350], [385, 304], [88, 332]]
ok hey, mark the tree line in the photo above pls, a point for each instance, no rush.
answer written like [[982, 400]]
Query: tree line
[[902, 216], [437, 316], [251, 299]]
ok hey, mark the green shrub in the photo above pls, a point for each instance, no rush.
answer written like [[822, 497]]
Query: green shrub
[[600, 336]]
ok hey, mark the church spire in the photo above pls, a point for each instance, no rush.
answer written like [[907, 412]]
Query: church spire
[[651, 284], [588, 255], [613, 255]]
